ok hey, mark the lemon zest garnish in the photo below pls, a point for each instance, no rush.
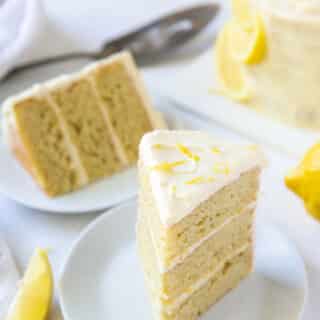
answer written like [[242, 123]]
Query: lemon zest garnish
[[173, 189], [199, 180], [168, 166], [221, 168], [215, 150], [161, 146], [186, 151], [253, 147]]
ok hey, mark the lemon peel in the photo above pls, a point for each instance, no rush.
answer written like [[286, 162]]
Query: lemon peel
[[215, 150], [200, 180], [304, 180], [242, 12], [221, 168], [168, 166], [161, 146], [187, 152]]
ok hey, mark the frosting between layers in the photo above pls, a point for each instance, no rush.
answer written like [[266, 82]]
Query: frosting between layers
[[170, 308], [199, 284], [84, 178], [187, 167], [178, 260], [194, 247]]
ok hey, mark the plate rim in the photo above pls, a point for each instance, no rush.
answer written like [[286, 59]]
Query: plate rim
[[76, 242], [133, 203]]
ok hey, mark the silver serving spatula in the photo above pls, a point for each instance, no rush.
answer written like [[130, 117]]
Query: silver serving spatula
[[149, 42]]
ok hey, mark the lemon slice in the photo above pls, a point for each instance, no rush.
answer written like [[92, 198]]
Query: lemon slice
[[248, 45], [230, 73], [242, 13], [34, 296], [305, 180]]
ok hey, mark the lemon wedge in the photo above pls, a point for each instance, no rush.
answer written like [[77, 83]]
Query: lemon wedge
[[34, 296], [242, 13], [230, 72], [248, 45], [305, 180]]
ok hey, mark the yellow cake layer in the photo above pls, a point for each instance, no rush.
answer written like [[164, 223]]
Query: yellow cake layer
[[124, 105], [193, 303], [80, 111], [40, 144], [78, 128], [221, 283], [173, 242], [202, 260]]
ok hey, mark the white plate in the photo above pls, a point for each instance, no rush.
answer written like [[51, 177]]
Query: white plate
[[17, 184], [191, 88], [102, 279]]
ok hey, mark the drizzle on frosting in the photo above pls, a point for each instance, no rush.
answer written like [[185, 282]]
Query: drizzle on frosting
[[187, 167]]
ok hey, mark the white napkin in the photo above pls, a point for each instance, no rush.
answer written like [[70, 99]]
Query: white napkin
[[9, 278], [21, 22], [32, 29]]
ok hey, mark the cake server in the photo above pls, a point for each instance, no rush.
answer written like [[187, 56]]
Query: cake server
[[147, 43]]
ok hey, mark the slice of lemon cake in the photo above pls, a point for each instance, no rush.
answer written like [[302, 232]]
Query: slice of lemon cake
[[195, 224], [75, 129]]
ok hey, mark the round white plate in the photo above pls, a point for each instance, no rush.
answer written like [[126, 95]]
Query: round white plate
[[102, 279], [17, 184]]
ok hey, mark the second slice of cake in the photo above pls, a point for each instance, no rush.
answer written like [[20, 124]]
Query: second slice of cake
[[78, 128], [195, 226]]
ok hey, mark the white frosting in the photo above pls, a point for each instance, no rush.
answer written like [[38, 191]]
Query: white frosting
[[178, 192]]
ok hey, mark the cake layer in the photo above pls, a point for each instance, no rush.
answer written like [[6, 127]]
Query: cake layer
[[83, 126], [126, 109], [39, 142], [204, 293], [78, 108], [173, 242], [205, 259], [226, 279], [200, 262]]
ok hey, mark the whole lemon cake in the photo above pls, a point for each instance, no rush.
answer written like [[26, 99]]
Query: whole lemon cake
[[267, 58], [73, 130], [195, 222]]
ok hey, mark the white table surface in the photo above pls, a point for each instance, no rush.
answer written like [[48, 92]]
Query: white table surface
[[24, 229]]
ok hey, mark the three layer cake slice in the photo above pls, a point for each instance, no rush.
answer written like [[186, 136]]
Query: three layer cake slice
[[195, 225], [78, 128]]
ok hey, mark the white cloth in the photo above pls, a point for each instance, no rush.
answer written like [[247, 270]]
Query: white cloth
[[32, 29], [21, 21], [9, 278]]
